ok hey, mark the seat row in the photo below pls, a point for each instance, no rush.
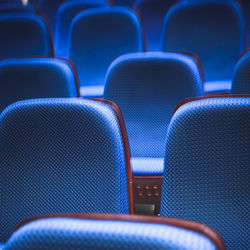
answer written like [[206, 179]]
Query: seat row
[[93, 37], [72, 156], [145, 86]]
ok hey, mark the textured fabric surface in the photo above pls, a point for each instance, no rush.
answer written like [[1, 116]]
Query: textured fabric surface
[[213, 29], [241, 78], [1, 246], [152, 14], [147, 166], [98, 36], [60, 156], [23, 35], [35, 78], [146, 87], [206, 174], [67, 11], [61, 233]]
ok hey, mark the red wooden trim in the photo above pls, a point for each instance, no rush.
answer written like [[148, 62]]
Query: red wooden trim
[[243, 53], [190, 99], [189, 225], [126, 149], [74, 70]]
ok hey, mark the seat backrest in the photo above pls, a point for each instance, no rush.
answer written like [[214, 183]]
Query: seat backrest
[[31, 78], [206, 175], [65, 14], [22, 35], [61, 156], [153, 13], [99, 231], [98, 36], [146, 87], [241, 77], [213, 29]]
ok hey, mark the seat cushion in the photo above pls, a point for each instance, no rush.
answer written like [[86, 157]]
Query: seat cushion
[[147, 166], [217, 86]]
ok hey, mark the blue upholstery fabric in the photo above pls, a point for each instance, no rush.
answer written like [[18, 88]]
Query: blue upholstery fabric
[[60, 156], [147, 87], [153, 13], [2, 246], [206, 174], [213, 29], [9, 1], [66, 233], [241, 78], [98, 36], [22, 35], [246, 9], [67, 11], [35, 78], [14, 7]]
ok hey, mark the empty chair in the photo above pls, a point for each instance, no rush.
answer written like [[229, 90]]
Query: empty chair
[[206, 174], [67, 11], [146, 87], [241, 78], [61, 156], [214, 30], [36, 78], [152, 14], [99, 231], [97, 37], [23, 35]]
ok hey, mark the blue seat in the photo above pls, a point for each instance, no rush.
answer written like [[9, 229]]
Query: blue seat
[[241, 78], [97, 37], [206, 175], [61, 156], [98, 231], [66, 12], [214, 30], [153, 13], [147, 87], [23, 35], [36, 78]]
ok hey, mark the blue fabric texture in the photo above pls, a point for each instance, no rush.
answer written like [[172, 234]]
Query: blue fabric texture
[[124, 2], [153, 13], [147, 87], [35, 78], [241, 78], [206, 174], [67, 11], [23, 35], [213, 29], [60, 156], [65, 233], [100, 35]]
